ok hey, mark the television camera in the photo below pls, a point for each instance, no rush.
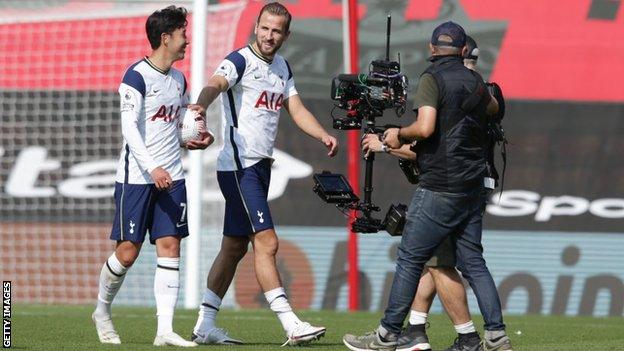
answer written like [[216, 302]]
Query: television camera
[[365, 97]]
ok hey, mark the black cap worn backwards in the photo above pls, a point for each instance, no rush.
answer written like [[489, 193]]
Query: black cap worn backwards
[[473, 50], [451, 29]]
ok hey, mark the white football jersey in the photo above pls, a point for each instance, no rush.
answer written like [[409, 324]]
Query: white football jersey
[[251, 106], [151, 103]]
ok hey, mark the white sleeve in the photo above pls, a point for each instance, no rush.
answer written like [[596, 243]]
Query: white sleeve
[[227, 70], [131, 112], [290, 88]]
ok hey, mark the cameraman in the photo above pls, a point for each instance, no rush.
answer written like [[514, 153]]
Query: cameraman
[[439, 274], [453, 108]]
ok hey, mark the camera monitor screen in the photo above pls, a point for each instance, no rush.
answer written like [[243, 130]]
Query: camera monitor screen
[[334, 183], [333, 188]]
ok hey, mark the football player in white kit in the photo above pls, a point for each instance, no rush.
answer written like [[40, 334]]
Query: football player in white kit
[[150, 194], [254, 83]]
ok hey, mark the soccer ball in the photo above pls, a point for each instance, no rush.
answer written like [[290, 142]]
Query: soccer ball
[[192, 126]]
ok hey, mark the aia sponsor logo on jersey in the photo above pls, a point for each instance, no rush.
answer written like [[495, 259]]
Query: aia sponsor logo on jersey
[[167, 114], [270, 101]]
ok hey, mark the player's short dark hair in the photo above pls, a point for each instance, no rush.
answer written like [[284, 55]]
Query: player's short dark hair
[[277, 9], [164, 21]]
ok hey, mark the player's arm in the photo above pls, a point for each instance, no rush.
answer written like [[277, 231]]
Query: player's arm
[[309, 124], [229, 73], [131, 112], [215, 86]]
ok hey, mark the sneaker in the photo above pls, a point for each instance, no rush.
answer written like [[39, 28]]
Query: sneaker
[[467, 342], [172, 339], [368, 341], [413, 338], [502, 343], [214, 336], [304, 333], [105, 329]]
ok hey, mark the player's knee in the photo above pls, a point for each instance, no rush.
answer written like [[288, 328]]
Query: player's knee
[[267, 246], [127, 256], [235, 251], [168, 246]]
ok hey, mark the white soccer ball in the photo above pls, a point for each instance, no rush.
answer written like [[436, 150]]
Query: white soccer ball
[[192, 126]]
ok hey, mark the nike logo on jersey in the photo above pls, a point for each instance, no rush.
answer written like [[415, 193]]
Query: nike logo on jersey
[[178, 225], [270, 101], [153, 92]]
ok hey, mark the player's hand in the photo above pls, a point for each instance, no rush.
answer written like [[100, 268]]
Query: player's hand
[[371, 143], [206, 141], [331, 143], [198, 108], [391, 138], [162, 179]]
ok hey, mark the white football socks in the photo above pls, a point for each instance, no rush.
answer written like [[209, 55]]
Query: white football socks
[[279, 304], [166, 287], [207, 312], [465, 328], [111, 278], [417, 318]]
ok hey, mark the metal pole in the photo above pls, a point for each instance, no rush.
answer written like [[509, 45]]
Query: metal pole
[[351, 54], [195, 169]]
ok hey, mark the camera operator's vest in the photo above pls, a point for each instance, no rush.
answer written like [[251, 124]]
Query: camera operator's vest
[[452, 159]]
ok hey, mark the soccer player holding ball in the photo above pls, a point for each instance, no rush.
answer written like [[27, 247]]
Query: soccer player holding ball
[[254, 83], [150, 192]]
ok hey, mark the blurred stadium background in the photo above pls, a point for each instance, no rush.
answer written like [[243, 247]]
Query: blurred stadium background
[[553, 239]]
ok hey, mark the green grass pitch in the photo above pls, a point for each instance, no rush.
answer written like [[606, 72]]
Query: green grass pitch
[[56, 327]]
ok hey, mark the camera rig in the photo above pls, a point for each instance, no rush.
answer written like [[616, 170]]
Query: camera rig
[[365, 97]]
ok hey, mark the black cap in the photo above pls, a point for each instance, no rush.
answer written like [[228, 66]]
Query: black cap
[[452, 30], [473, 50]]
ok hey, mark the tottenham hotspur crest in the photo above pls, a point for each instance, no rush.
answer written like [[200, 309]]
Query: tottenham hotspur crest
[[261, 220]]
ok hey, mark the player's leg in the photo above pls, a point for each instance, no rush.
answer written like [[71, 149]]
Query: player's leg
[[236, 230], [265, 246], [233, 249], [167, 228], [253, 187], [129, 227]]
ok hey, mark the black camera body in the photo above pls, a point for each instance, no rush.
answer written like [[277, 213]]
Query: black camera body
[[365, 97], [395, 219]]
